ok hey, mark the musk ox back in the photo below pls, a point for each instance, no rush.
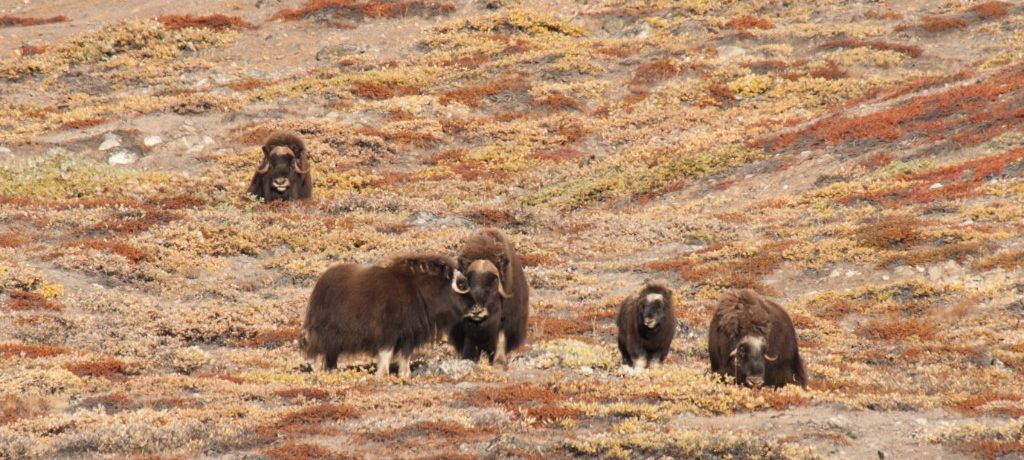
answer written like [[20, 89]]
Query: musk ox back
[[499, 297], [284, 173], [386, 310], [647, 326], [752, 339]]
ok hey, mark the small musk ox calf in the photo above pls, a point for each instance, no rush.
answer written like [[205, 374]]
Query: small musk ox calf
[[386, 310], [752, 339], [646, 326], [496, 322], [284, 172]]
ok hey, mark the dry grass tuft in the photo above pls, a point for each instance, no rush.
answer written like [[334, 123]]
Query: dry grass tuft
[[992, 449], [302, 392], [890, 232], [936, 24], [213, 21], [896, 328], [24, 300], [101, 367], [991, 10], [749, 22], [10, 21], [11, 240], [302, 451], [909, 50], [27, 350], [473, 95], [126, 250], [273, 338]]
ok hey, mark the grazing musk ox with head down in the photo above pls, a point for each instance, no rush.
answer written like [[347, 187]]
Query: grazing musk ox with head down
[[284, 173], [646, 325], [387, 309], [496, 323], [752, 339]]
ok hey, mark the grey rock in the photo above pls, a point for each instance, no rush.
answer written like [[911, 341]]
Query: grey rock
[[110, 141], [123, 157], [150, 141]]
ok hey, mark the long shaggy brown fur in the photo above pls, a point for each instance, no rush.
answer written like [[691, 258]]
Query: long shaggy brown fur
[[396, 306], [507, 315], [284, 159], [745, 313], [642, 344]]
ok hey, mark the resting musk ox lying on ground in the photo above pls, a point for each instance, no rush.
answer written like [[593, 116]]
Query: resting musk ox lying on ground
[[496, 322], [752, 339], [646, 326], [386, 310], [284, 172]]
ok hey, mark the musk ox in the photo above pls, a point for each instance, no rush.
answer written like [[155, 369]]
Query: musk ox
[[646, 326], [752, 339], [499, 295], [387, 309], [284, 173]]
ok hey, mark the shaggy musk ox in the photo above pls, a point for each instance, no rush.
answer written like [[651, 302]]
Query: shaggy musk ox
[[386, 310], [284, 172], [499, 296], [752, 339], [646, 326]]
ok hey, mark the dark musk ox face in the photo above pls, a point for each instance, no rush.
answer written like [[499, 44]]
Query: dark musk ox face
[[282, 170], [485, 289], [749, 359], [652, 310]]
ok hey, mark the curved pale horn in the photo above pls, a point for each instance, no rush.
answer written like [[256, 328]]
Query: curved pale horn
[[455, 282], [733, 354], [501, 289], [299, 169], [263, 168], [770, 358]]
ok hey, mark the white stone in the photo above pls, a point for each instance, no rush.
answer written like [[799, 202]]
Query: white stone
[[935, 186], [885, 278], [150, 141], [207, 140], [4, 150], [123, 157], [110, 141]]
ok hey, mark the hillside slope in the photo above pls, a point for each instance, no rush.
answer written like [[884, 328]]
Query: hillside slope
[[861, 162]]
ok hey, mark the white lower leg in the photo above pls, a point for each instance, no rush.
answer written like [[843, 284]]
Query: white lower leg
[[640, 363], [404, 369], [384, 362], [500, 354]]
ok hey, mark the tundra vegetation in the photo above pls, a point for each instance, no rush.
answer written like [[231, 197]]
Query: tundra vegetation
[[859, 162]]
